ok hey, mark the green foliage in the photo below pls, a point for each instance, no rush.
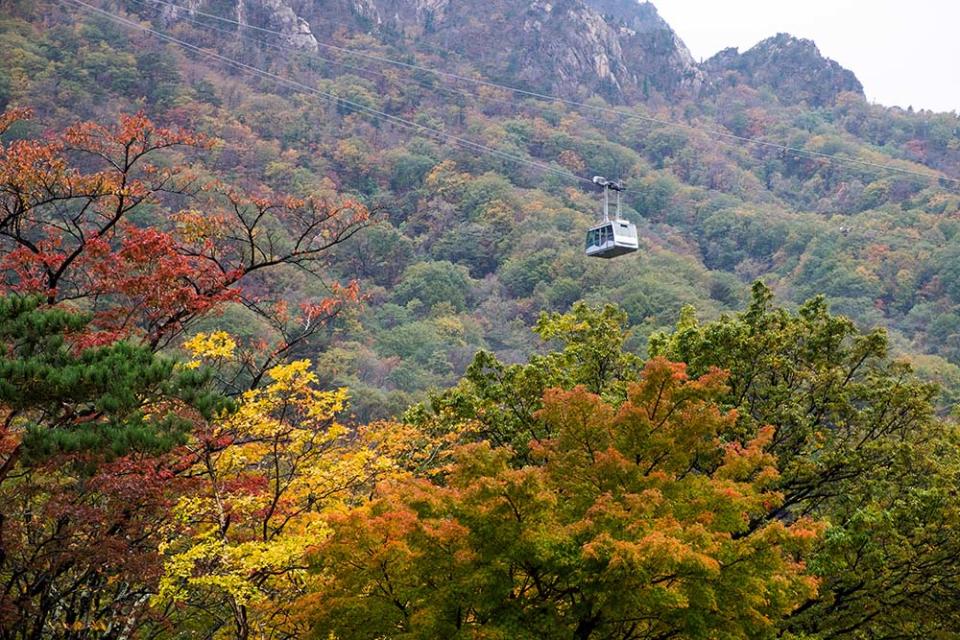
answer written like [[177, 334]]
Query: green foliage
[[159, 76], [475, 246], [103, 399], [602, 533], [504, 398], [483, 191], [654, 196], [944, 331], [872, 243], [522, 274], [857, 444], [408, 170], [5, 90], [661, 145], [380, 255], [592, 346], [813, 375], [479, 247], [949, 272], [856, 441], [433, 283]]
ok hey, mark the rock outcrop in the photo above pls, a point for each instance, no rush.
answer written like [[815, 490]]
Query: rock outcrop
[[276, 15], [619, 49], [793, 68], [655, 54]]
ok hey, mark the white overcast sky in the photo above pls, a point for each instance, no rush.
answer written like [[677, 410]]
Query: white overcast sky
[[905, 52]]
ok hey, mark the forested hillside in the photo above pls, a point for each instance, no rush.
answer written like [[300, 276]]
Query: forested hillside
[[300, 341], [469, 246]]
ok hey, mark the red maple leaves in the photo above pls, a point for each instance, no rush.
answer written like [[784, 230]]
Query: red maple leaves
[[114, 220]]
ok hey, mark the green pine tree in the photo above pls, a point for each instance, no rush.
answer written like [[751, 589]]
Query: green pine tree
[[56, 397]]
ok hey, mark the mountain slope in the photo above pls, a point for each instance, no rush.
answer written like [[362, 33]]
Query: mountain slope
[[502, 237], [621, 49], [793, 68]]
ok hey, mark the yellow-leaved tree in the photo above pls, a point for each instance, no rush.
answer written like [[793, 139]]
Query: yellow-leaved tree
[[264, 476]]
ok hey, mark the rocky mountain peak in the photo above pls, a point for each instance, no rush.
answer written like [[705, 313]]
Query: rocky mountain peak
[[793, 67], [620, 49], [634, 14], [654, 51]]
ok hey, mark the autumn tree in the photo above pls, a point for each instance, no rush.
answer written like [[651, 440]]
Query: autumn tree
[[111, 248], [83, 493], [87, 222], [99, 216], [503, 398], [79, 549], [235, 557], [857, 444], [609, 531]]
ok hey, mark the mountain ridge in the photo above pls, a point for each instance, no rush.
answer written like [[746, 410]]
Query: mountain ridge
[[622, 50], [793, 67]]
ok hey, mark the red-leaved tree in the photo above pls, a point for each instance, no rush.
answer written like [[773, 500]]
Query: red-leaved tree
[[121, 223], [101, 217]]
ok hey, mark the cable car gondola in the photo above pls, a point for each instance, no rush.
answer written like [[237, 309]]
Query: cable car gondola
[[611, 238]]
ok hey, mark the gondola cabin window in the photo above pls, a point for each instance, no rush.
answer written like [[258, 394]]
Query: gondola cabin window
[[600, 237], [612, 239], [615, 237]]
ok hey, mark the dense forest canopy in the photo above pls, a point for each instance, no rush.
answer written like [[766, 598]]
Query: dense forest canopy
[[299, 340]]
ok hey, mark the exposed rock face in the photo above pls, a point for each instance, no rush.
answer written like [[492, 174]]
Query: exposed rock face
[[620, 49], [277, 15], [280, 16], [792, 67], [653, 51], [561, 46], [403, 13], [170, 13]]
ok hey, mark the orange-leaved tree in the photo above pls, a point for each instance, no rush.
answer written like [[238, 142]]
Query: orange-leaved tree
[[626, 523], [111, 222], [236, 554]]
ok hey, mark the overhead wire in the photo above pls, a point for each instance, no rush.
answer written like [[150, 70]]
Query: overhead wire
[[383, 116], [372, 112], [345, 65], [312, 55], [337, 99], [584, 105]]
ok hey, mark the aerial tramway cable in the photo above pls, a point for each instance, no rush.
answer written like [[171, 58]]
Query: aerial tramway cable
[[583, 105], [336, 99], [486, 99], [402, 122], [611, 239], [207, 27]]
